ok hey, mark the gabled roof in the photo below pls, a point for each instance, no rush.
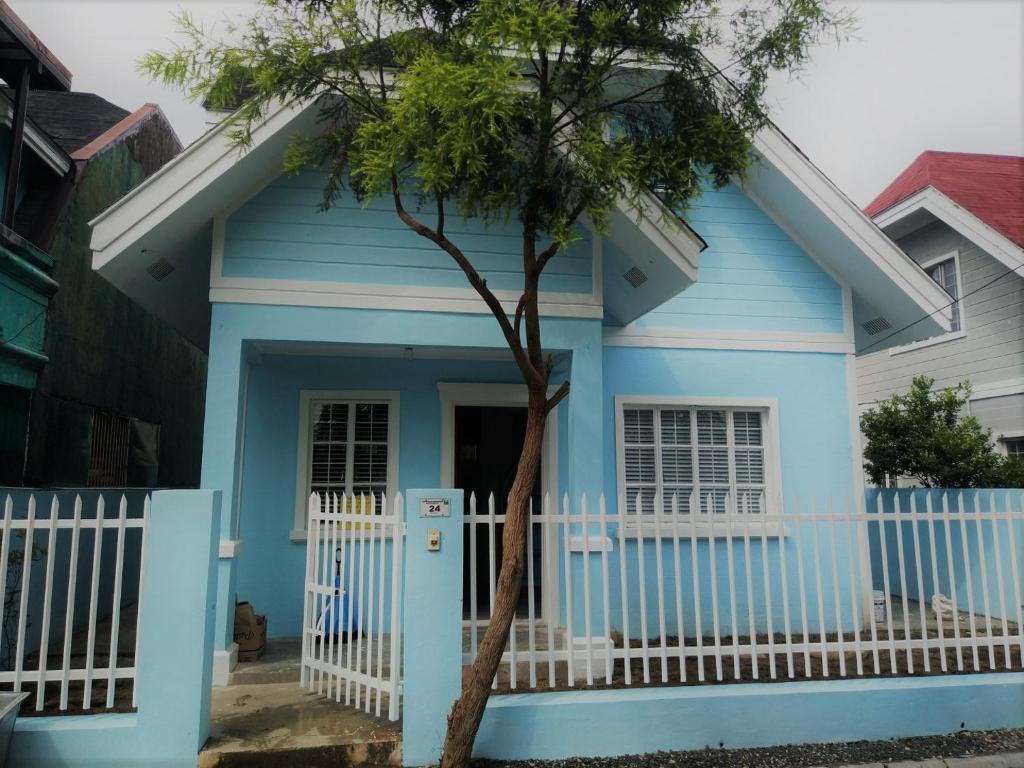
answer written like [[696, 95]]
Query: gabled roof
[[71, 119], [991, 187], [171, 215]]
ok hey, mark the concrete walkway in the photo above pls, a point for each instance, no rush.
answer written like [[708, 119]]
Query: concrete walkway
[[265, 719]]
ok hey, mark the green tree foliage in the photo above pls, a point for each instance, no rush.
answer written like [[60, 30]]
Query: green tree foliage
[[925, 434]]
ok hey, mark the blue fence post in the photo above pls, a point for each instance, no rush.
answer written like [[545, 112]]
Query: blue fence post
[[432, 622], [176, 651]]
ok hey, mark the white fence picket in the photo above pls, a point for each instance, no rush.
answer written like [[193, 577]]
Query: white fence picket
[[57, 561], [809, 583]]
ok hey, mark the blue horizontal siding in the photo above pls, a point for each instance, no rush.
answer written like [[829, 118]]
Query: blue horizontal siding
[[280, 235], [752, 276]]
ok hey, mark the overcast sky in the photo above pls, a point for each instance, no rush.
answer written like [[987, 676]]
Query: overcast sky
[[917, 75]]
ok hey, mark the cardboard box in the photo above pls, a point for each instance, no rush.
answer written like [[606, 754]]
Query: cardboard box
[[250, 632]]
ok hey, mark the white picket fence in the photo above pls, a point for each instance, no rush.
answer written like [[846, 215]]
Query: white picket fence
[[351, 626], [742, 595], [71, 555]]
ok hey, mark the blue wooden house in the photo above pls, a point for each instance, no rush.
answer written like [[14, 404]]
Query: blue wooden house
[[712, 362]]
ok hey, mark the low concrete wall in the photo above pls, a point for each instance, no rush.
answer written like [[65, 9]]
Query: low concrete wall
[[630, 721], [175, 656]]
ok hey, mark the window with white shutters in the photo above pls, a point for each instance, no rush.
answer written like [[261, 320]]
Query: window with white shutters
[[348, 447], [699, 457]]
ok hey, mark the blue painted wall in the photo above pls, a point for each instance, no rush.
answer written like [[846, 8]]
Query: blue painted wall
[[272, 428], [972, 581], [816, 462], [752, 275], [279, 234]]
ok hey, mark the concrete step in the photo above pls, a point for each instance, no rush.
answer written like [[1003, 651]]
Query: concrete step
[[281, 724]]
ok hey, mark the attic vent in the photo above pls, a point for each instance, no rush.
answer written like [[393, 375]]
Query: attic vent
[[876, 326], [635, 277], [160, 269]]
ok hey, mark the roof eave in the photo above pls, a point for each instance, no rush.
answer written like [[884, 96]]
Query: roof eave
[[943, 208]]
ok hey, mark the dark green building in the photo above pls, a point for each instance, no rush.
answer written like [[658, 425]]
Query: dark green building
[[94, 390]]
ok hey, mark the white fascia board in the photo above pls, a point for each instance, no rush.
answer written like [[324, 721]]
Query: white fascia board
[[753, 341], [939, 205], [679, 244], [771, 144], [172, 187]]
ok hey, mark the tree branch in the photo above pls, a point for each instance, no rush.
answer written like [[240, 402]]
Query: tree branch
[[558, 397], [532, 374]]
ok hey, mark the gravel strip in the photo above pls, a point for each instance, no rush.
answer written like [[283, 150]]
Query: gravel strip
[[957, 745]]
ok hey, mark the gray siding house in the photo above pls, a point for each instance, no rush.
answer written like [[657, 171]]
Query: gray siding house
[[960, 217]]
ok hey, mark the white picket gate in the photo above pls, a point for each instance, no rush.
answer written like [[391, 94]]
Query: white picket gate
[[79, 608], [351, 627]]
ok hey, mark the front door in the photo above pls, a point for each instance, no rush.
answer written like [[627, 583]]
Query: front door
[[488, 440]]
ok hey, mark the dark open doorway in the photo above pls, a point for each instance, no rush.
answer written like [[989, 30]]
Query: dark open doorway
[[488, 440]]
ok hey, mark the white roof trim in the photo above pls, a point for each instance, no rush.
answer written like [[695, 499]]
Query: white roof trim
[[175, 184], [959, 218], [851, 221]]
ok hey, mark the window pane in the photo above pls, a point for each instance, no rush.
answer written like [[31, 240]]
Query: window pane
[[372, 421], [646, 494], [750, 502], [683, 495], [1015, 448], [638, 425], [328, 465], [712, 500], [676, 465], [711, 428], [749, 467], [747, 428], [370, 464], [330, 421], [714, 465], [639, 464], [675, 427]]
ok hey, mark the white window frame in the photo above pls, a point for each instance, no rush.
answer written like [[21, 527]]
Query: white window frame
[[950, 335], [772, 454], [1006, 437], [305, 447]]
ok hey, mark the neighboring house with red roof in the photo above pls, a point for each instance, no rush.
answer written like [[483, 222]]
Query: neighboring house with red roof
[[960, 217], [94, 389]]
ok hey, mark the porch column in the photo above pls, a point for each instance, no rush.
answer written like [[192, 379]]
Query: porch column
[[432, 623], [586, 413], [221, 471]]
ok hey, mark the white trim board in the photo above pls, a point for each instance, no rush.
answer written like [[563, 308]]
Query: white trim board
[[352, 295], [771, 341], [470, 303], [303, 448], [959, 218], [772, 144]]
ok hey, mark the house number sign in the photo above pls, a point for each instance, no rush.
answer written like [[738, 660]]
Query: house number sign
[[440, 507]]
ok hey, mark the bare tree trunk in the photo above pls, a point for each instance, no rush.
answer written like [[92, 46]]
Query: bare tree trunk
[[467, 712]]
